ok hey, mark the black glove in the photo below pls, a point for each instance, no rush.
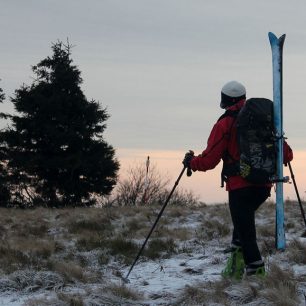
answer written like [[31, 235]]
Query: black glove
[[187, 159]]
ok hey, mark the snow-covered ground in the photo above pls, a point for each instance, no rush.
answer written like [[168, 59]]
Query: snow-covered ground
[[196, 264]]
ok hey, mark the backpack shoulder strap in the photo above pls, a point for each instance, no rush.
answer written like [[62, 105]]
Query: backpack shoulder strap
[[229, 113], [229, 169]]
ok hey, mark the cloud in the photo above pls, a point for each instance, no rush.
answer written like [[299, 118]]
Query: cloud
[[159, 65]]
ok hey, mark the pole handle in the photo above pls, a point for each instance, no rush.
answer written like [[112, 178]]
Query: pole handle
[[189, 172]]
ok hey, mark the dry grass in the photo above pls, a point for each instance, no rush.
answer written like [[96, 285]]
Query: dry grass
[[177, 212], [71, 299], [193, 295], [124, 292], [212, 229], [79, 245], [85, 242], [70, 271], [204, 294], [119, 247], [297, 252], [265, 230], [43, 302], [63, 299], [122, 248], [158, 248], [280, 287], [20, 253]]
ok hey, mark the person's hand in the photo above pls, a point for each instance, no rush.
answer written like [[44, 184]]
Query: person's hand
[[187, 159]]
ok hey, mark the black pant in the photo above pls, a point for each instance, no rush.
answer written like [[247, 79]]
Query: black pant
[[243, 203]]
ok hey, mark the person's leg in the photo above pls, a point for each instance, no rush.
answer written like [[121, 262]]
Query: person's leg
[[243, 204]]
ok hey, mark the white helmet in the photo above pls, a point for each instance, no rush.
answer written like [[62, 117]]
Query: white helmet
[[231, 93]]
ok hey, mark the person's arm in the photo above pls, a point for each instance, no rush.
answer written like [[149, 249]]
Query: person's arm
[[287, 152], [216, 145]]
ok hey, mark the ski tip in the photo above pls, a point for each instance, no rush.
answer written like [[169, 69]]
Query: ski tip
[[282, 39], [273, 38], [272, 35]]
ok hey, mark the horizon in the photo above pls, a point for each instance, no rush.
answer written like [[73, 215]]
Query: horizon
[[206, 185]]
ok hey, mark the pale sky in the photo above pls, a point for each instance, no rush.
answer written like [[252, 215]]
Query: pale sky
[[158, 66]]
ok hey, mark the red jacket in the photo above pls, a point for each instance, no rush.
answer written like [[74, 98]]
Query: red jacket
[[222, 142]]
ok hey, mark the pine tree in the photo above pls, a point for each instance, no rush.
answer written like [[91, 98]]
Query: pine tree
[[4, 189], [57, 153]]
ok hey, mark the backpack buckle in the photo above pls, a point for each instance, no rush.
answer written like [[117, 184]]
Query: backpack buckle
[[275, 179]]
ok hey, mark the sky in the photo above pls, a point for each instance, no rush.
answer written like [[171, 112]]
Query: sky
[[159, 65]]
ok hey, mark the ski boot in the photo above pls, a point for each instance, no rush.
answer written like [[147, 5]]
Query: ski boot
[[257, 269], [235, 265]]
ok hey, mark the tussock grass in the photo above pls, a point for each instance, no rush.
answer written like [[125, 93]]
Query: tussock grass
[[204, 294], [177, 212], [120, 247], [90, 225], [267, 246], [280, 287], [104, 259], [124, 292], [63, 299], [40, 248], [221, 211], [211, 229], [266, 230], [39, 229], [136, 227], [176, 233], [44, 302], [70, 271], [193, 295], [20, 253], [71, 299], [90, 242], [123, 249], [158, 248], [297, 252], [180, 233], [81, 246], [12, 259]]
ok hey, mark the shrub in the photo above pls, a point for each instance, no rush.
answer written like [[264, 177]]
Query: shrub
[[136, 189]]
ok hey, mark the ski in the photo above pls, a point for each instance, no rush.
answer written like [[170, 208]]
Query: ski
[[277, 67]]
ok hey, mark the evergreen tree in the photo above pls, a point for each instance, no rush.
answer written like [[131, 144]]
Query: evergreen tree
[[4, 189], [57, 153]]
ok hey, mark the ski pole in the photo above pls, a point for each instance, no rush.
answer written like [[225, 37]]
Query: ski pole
[[144, 198], [154, 225], [297, 193]]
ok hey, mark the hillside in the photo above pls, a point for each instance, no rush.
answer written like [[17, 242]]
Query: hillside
[[79, 256]]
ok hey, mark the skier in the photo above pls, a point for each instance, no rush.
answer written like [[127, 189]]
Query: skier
[[244, 197]]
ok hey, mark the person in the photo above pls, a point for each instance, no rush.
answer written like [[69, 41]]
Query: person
[[244, 197]]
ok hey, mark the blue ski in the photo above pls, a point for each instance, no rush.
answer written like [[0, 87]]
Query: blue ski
[[277, 64]]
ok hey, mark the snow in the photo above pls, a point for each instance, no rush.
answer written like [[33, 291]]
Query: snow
[[169, 276], [158, 281], [11, 300]]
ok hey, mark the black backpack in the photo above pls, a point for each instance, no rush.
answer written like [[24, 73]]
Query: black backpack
[[256, 141]]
